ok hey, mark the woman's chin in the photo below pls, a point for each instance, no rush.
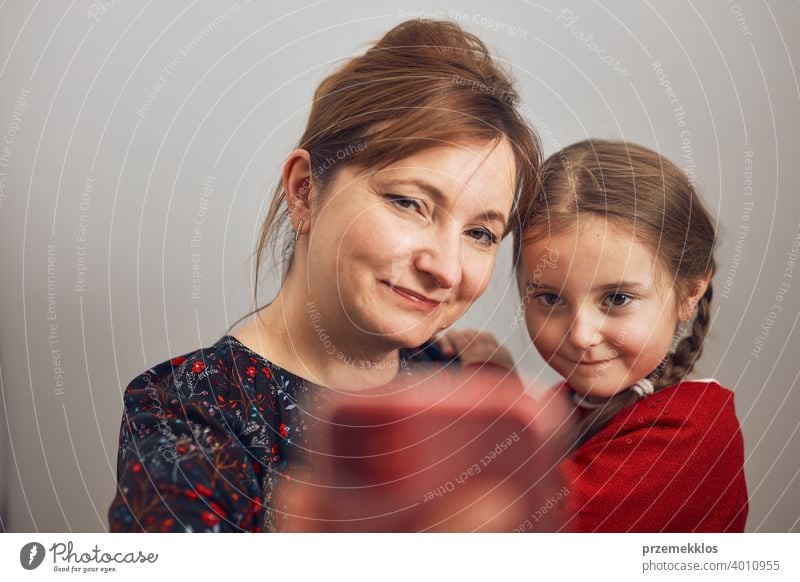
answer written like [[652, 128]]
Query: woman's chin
[[405, 334]]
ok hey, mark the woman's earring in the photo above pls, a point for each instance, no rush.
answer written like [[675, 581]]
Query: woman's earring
[[297, 232]]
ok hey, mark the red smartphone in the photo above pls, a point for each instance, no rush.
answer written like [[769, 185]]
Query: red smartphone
[[459, 452]]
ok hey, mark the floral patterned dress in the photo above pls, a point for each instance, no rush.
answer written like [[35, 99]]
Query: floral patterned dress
[[204, 437]]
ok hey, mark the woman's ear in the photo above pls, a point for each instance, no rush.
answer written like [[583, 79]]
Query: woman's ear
[[697, 290], [298, 186]]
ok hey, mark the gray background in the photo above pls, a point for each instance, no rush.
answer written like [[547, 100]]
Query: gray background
[[234, 103]]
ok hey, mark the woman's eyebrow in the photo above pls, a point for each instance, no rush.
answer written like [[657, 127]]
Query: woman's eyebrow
[[421, 184], [495, 216], [440, 199]]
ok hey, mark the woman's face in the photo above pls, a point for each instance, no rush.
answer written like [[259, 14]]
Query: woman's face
[[397, 254]]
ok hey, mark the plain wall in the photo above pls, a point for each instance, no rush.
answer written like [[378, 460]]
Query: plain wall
[[114, 119]]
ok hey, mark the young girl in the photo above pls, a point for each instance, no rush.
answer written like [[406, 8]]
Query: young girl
[[614, 256]]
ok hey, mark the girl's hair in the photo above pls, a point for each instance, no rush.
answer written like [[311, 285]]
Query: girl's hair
[[426, 83], [639, 190]]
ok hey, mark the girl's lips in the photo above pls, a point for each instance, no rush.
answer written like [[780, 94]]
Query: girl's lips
[[595, 362]]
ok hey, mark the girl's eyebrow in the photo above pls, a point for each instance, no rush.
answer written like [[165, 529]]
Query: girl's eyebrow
[[632, 285], [536, 284]]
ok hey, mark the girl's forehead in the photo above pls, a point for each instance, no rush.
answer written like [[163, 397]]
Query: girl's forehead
[[585, 235], [593, 250]]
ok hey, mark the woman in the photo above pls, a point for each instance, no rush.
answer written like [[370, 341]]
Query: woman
[[398, 194]]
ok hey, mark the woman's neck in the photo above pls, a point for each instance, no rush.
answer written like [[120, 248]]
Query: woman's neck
[[293, 333]]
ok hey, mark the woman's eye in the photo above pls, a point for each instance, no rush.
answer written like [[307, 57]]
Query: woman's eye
[[548, 299], [403, 202], [618, 299], [483, 235]]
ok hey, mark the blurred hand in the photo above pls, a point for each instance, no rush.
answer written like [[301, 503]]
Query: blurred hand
[[485, 505], [451, 452], [473, 346]]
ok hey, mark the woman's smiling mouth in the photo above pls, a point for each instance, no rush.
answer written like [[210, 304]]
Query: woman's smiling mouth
[[412, 298]]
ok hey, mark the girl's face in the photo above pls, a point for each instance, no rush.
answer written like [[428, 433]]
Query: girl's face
[[397, 254], [596, 308]]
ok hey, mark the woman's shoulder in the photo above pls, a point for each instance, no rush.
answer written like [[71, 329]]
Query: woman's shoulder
[[224, 360]]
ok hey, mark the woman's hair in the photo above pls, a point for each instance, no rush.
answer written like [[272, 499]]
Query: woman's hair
[[640, 191], [426, 83]]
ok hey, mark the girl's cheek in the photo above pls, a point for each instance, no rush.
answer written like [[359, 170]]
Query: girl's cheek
[[531, 321], [544, 332], [537, 324], [638, 341], [621, 336]]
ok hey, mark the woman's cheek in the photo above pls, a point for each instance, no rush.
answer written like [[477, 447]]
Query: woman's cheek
[[477, 274], [375, 239], [465, 294]]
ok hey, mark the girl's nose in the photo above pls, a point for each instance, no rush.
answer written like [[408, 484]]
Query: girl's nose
[[585, 330]]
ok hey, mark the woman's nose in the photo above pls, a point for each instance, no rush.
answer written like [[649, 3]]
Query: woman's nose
[[585, 329], [442, 260]]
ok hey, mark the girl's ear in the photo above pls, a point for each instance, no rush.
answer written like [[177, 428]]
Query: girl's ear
[[697, 290], [298, 186]]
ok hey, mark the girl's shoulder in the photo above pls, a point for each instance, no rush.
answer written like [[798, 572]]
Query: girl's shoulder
[[687, 392], [697, 394], [691, 404], [690, 418]]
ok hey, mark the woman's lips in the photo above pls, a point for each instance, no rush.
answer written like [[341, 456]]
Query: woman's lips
[[412, 298]]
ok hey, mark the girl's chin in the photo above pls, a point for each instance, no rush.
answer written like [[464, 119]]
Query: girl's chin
[[593, 389]]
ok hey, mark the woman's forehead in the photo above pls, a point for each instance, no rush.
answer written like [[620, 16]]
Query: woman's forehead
[[477, 177]]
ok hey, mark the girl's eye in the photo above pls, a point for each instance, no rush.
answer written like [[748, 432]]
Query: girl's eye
[[403, 202], [548, 299], [483, 235], [618, 300]]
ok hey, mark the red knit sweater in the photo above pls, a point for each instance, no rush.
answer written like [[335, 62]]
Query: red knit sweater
[[672, 462]]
